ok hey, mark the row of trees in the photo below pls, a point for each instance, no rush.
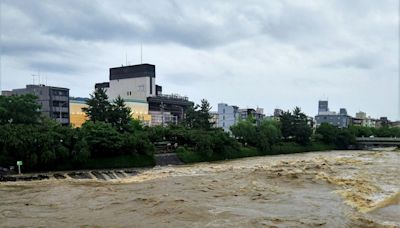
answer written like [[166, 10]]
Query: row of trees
[[293, 126], [43, 144]]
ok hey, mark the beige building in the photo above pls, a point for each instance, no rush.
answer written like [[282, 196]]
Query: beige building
[[78, 117]]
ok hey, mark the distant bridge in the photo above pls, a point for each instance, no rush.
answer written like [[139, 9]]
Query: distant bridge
[[378, 141]]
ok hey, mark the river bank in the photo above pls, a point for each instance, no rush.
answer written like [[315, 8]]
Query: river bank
[[331, 189]]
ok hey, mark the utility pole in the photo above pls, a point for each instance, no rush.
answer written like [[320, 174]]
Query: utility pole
[[162, 106]]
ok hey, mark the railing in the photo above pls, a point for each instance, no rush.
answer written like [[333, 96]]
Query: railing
[[377, 139], [173, 96]]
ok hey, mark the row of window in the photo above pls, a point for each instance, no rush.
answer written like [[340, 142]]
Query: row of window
[[64, 115], [59, 93]]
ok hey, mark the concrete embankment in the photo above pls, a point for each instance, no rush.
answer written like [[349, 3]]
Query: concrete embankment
[[76, 175]]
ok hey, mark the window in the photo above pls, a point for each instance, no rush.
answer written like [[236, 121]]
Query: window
[[141, 88]]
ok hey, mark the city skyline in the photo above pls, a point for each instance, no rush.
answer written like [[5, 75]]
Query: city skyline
[[278, 54]]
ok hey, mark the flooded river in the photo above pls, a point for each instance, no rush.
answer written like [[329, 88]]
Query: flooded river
[[322, 189]]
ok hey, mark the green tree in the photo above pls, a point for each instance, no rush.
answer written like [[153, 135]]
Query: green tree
[[328, 133], [120, 115], [199, 116], [344, 139], [102, 138], [99, 107], [294, 125], [287, 124], [268, 135], [21, 109], [245, 132]]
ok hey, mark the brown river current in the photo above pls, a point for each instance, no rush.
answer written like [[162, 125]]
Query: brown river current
[[322, 189]]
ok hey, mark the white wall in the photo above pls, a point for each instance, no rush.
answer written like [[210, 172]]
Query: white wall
[[131, 88]]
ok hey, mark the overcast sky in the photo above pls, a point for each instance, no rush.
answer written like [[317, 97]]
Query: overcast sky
[[268, 54]]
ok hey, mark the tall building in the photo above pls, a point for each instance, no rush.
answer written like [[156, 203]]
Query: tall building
[[228, 115], [136, 84], [323, 106], [341, 119], [54, 101]]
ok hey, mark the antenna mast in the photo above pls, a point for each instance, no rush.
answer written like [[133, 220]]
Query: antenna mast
[[141, 53]]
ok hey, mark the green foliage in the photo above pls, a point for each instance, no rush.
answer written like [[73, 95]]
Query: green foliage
[[328, 133], [198, 117], [263, 136], [22, 109], [344, 139], [245, 132], [98, 106], [120, 115], [341, 137], [294, 125], [40, 147], [102, 138], [269, 134], [190, 156], [123, 161], [292, 147]]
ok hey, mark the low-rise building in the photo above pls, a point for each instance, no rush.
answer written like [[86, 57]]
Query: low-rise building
[[54, 101], [214, 119], [366, 121], [228, 116], [341, 119], [77, 116], [257, 114]]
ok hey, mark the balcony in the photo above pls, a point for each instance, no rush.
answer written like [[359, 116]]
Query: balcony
[[62, 109]]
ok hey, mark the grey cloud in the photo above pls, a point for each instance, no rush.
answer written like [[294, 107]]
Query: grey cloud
[[363, 61], [49, 66], [257, 47]]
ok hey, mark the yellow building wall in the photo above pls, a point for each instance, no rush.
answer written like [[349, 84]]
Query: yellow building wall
[[76, 115], [140, 111]]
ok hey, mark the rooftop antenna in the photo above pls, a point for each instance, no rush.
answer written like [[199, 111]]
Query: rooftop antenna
[[126, 58], [141, 53], [39, 75]]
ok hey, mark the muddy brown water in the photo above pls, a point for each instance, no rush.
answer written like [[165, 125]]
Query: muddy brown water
[[321, 189]]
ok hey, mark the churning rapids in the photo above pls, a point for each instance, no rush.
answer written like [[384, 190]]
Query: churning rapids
[[322, 189]]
